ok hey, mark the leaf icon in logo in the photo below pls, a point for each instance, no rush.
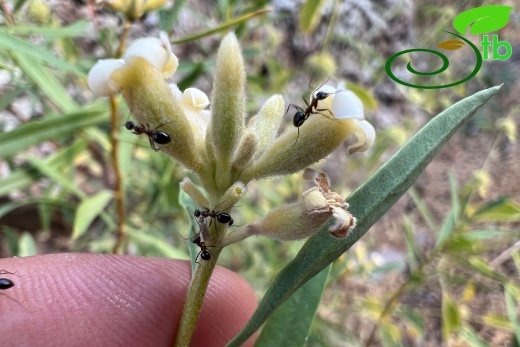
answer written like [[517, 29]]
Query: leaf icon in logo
[[483, 19], [451, 45]]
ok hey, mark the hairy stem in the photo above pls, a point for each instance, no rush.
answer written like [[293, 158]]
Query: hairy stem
[[196, 292], [118, 184]]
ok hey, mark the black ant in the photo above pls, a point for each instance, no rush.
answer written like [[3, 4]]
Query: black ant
[[204, 253], [159, 137], [303, 114], [221, 217]]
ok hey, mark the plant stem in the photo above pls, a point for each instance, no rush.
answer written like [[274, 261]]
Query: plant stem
[[118, 184], [122, 40], [196, 292]]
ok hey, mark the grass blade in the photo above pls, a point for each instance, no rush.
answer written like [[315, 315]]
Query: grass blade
[[75, 29], [368, 203], [46, 82], [221, 28], [11, 43], [34, 133], [88, 210]]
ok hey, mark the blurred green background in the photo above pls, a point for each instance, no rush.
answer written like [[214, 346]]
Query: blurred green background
[[448, 248]]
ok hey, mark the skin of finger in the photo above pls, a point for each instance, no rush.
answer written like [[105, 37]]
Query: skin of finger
[[107, 300]]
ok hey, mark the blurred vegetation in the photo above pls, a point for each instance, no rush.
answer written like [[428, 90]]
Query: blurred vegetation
[[441, 268]]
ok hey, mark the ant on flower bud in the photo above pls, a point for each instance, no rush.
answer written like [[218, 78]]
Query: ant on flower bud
[[204, 253], [154, 137], [312, 108], [221, 217]]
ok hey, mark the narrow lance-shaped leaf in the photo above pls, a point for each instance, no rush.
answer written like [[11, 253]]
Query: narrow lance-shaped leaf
[[310, 15], [46, 82], [282, 329], [368, 203], [21, 47], [88, 210], [27, 245], [76, 29], [33, 133]]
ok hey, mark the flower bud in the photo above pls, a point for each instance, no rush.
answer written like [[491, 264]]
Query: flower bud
[[267, 122], [194, 192], [294, 221], [150, 100], [244, 152], [228, 100]]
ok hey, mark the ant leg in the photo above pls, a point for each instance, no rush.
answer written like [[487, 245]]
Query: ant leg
[[314, 91], [297, 136], [152, 144], [324, 109], [306, 103], [295, 106]]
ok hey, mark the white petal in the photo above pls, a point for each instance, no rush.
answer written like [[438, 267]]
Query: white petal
[[175, 91], [195, 98], [163, 36], [346, 105], [99, 80], [153, 50], [366, 135], [370, 133]]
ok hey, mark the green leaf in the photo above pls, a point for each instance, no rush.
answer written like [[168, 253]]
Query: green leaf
[[58, 177], [485, 18], [310, 15], [75, 29], [46, 82], [26, 245], [458, 243], [368, 203], [411, 246], [423, 209], [18, 5], [448, 226], [9, 97], [168, 17], [282, 328], [504, 211], [22, 178], [511, 308], [20, 47], [88, 210], [471, 336], [221, 28], [451, 320], [34, 133]]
